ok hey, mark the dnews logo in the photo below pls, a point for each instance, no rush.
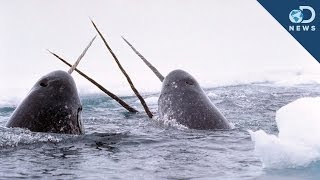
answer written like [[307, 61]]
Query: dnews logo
[[298, 18]]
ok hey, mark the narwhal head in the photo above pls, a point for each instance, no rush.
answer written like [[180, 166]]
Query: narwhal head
[[179, 80], [52, 105]]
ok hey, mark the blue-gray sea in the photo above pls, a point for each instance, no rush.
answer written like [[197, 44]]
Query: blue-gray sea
[[121, 145]]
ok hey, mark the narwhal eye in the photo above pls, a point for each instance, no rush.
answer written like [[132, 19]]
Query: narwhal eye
[[44, 84], [189, 82]]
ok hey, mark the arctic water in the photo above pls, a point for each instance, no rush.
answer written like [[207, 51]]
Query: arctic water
[[121, 145]]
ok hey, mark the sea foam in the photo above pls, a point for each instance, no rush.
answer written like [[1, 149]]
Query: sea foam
[[298, 141], [15, 136]]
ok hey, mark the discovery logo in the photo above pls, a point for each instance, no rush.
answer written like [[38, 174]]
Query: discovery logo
[[300, 21], [303, 22]]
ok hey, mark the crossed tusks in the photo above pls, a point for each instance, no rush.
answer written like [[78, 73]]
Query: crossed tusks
[[113, 96]]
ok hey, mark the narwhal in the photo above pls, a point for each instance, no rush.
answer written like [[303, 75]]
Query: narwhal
[[52, 105], [184, 101]]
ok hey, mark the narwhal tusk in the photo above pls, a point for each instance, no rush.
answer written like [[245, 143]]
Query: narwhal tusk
[[113, 96], [144, 104], [153, 69], [74, 66]]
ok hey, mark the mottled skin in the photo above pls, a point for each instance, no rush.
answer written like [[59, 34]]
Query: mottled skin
[[52, 105], [183, 100]]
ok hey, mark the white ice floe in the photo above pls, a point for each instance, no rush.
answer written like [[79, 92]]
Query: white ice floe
[[298, 141]]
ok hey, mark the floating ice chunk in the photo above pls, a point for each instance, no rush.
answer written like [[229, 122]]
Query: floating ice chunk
[[298, 141]]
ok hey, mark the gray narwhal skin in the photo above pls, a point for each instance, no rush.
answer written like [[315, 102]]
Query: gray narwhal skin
[[52, 106], [182, 99]]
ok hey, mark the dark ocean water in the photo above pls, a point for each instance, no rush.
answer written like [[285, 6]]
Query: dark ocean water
[[120, 145]]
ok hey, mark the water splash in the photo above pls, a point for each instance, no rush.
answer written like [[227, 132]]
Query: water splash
[[13, 137]]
